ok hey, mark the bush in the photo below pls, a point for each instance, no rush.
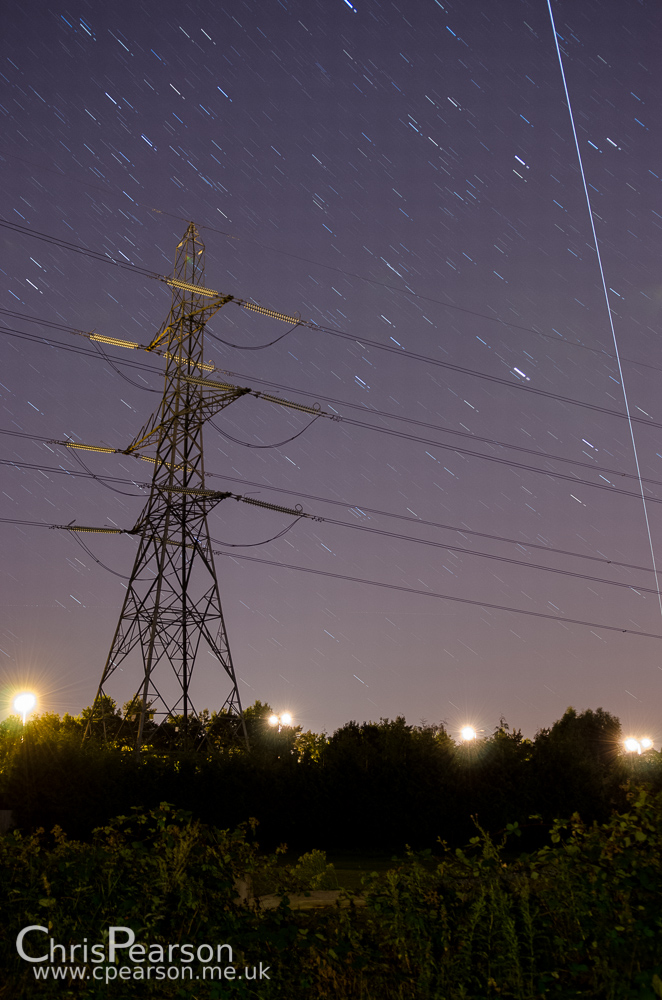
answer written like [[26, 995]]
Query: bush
[[579, 918]]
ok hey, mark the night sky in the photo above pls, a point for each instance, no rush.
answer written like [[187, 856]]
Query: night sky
[[404, 173]]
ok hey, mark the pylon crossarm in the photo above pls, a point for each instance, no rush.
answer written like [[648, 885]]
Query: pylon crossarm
[[209, 384], [203, 409], [316, 410], [145, 435], [191, 491], [80, 446], [204, 499], [133, 345], [211, 405], [210, 309]]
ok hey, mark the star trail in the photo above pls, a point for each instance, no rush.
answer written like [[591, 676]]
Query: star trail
[[405, 179]]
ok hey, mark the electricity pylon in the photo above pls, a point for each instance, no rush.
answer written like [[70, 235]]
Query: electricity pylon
[[172, 605]]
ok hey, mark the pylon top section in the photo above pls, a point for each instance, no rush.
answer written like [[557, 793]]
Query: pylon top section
[[190, 258], [190, 309]]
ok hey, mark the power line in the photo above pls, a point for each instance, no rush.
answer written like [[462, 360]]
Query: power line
[[494, 458], [487, 555], [442, 597], [97, 255], [91, 554], [407, 291], [508, 324], [389, 534], [431, 524], [412, 437], [34, 467], [327, 500], [243, 347], [467, 435], [106, 258], [252, 545], [100, 479], [403, 589], [362, 341], [109, 361], [401, 434], [75, 349], [575, 480], [14, 314], [497, 379], [247, 444], [357, 406]]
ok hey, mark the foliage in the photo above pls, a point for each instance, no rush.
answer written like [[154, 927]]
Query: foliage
[[312, 871], [581, 917], [374, 785]]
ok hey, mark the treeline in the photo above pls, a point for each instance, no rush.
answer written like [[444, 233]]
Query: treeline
[[367, 786]]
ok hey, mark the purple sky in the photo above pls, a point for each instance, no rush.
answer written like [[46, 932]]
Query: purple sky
[[334, 158]]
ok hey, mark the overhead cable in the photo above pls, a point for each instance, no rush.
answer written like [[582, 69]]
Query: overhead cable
[[443, 597], [214, 495]]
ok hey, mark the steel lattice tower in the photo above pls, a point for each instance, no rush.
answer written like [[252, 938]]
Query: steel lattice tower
[[172, 606]]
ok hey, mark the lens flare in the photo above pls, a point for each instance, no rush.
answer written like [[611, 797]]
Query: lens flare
[[24, 703]]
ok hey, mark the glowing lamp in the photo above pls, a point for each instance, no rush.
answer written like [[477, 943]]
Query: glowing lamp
[[24, 703]]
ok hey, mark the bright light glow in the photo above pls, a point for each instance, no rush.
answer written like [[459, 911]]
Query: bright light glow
[[468, 733], [24, 703], [286, 719], [273, 720], [636, 746]]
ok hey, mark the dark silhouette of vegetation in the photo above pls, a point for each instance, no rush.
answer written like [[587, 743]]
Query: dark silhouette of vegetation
[[367, 786], [579, 917]]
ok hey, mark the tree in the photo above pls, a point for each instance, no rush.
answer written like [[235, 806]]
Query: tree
[[104, 717], [309, 746], [578, 764]]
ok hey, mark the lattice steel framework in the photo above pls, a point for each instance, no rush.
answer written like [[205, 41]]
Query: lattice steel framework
[[172, 605]]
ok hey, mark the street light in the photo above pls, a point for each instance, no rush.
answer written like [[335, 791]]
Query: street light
[[25, 703], [280, 720], [633, 745]]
